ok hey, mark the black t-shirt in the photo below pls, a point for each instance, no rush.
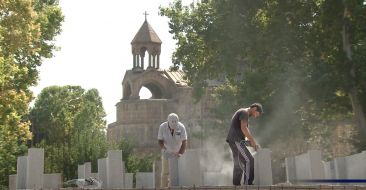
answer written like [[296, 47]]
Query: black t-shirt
[[235, 133]]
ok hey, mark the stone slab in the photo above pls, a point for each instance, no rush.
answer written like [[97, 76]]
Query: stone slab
[[263, 167], [145, 180], [52, 181]]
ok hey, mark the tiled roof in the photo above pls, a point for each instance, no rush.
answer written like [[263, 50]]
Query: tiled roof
[[146, 34], [177, 77]]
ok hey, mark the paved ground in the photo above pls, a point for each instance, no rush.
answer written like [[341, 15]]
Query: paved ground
[[253, 187]]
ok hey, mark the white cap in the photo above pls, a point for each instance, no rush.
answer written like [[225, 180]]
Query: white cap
[[173, 120]]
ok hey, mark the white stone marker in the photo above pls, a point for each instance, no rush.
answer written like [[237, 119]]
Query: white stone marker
[[84, 170], [356, 166], [52, 181], [309, 166], [22, 162], [329, 172], [102, 171], [340, 170], [145, 180], [12, 182], [128, 182], [290, 170], [35, 168], [114, 169], [263, 167], [190, 172]]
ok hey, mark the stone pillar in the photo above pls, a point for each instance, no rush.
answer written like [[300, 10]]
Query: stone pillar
[[329, 172], [35, 168], [134, 61], [84, 170], [13, 182], [158, 62], [189, 166], [290, 170], [340, 168], [309, 166], [102, 171], [22, 162], [356, 166], [114, 169], [128, 180], [149, 60], [145, 180], [263, 167], [52, 181]]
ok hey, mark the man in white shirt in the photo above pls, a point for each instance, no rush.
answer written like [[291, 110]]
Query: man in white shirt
[[172, 139]]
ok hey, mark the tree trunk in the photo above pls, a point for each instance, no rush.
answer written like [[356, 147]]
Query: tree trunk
[[353, 92]]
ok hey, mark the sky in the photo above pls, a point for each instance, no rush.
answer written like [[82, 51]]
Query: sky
[[95, 46]]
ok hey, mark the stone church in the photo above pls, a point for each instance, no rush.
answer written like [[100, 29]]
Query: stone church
[[139, 119]]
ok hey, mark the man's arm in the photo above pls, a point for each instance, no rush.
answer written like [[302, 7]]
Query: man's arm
[[246, 132], [183, 147], [161, 144]]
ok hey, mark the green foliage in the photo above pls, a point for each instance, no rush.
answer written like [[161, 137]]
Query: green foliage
[[27, 32], [69, 124], [135, 162]]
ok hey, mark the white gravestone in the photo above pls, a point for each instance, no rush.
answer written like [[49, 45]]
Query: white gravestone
[[309, 166], [114, 169], [84, 171], [22, 162], [102, 171], [340, 170], [290, 170], [128, 182], [35, 168], [12, 182], [190, 172], [52, 181], [356, 166], [263, 167], [145, 180]]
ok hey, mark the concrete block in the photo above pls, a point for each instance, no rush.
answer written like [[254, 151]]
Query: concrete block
[[114, 169], [309, 166], [84, 170], [340, 168], [329, 172], [52, 181], [145, 180], [190, 172], [263, 167], [35, 168], [128, 180], [356, 166], [102, 171], [290, 170], [22, 162], [13, 182]]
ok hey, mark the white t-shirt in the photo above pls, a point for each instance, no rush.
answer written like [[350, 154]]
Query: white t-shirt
[[172, 142]]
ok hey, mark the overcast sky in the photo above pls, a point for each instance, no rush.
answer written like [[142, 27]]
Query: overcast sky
[[96, 46]]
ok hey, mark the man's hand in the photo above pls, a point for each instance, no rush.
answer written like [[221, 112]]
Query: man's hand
[[254, 145], [177, 154]]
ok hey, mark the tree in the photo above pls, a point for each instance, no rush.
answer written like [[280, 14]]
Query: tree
[[304, 60], [68, 122], [27, 32]]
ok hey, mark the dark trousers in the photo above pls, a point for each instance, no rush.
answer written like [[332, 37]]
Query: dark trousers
[[243, 163]]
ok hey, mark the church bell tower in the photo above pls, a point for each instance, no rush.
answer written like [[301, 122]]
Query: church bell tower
[[146, 40]]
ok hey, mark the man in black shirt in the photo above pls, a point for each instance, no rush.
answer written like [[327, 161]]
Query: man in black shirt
[[239, 130]]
